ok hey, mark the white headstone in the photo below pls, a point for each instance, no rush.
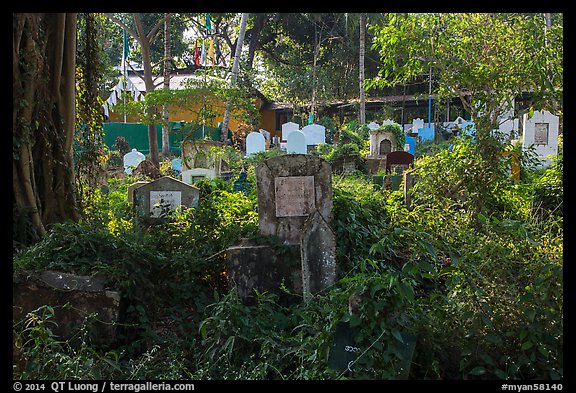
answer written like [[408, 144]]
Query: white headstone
[[296, 143], [388, 121], [373, 125], [315, 134], [417, 124], [287, 128], [255, 143], [191, 176], [265, 133], [541, 131], [131, 160]]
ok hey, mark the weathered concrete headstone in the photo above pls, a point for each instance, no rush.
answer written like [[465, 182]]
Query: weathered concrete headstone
[[295, 207], [131, 160], [259, 267], [255, 142], [159, 197], [318, 250], [132, 187], [541, 131], [86, 294], [296, 143], [202, 157]]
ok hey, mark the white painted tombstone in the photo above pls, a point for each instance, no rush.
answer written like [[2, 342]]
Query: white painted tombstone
[[541, 131], [373, 125], [287, 128], [315, 134], [296, 143], [131, 160], [191, 176], [255, 143], [417, 124], [388, 121], [265, 133], [508, 125]]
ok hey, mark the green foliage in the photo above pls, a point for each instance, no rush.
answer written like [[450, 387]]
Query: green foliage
[[474, 271], [396, 130]]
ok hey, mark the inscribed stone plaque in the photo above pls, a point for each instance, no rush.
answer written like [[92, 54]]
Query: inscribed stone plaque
[[541, 133], [294, 196], [163, 201]]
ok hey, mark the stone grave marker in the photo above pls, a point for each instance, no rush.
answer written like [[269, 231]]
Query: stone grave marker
[[131, 189], [426, 134], [295, 207], [255, 142], [315, 134], [417, 124], [296, 143], [177, 166], [287, 128], [131, 160], [155, 199], [541, 132], [86, 295], [242, 184], [373, 125]]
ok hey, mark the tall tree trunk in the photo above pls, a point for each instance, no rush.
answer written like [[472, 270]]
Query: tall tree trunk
[[235, 68], [149, 83], [165, 113], [44, 59], [361, 69]]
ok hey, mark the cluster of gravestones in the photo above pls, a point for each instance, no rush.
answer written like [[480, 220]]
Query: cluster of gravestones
[[294, 194]]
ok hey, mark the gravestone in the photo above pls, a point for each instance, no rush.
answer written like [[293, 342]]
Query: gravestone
[[416, 125], [255, 142], [426, 134], [541, 132], [263, 268], [131, 160], [85, 294], [131, 189], [202, 157], [155, 199], [410, 145], [287, 128], [381, 144], [294, 206], [399, 158], [373, 125], [315, 134], [296, 143], [177, 166]]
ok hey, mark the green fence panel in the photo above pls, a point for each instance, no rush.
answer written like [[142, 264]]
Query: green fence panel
[[136, 134]]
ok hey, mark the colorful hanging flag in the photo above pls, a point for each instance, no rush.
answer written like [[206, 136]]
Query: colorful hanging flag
[[203, 54], [196, 55], [211, 52], [208, 25], [219, 56], [125, 52]]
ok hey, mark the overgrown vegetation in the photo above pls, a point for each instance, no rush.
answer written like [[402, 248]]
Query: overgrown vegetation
[[473, 271]]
